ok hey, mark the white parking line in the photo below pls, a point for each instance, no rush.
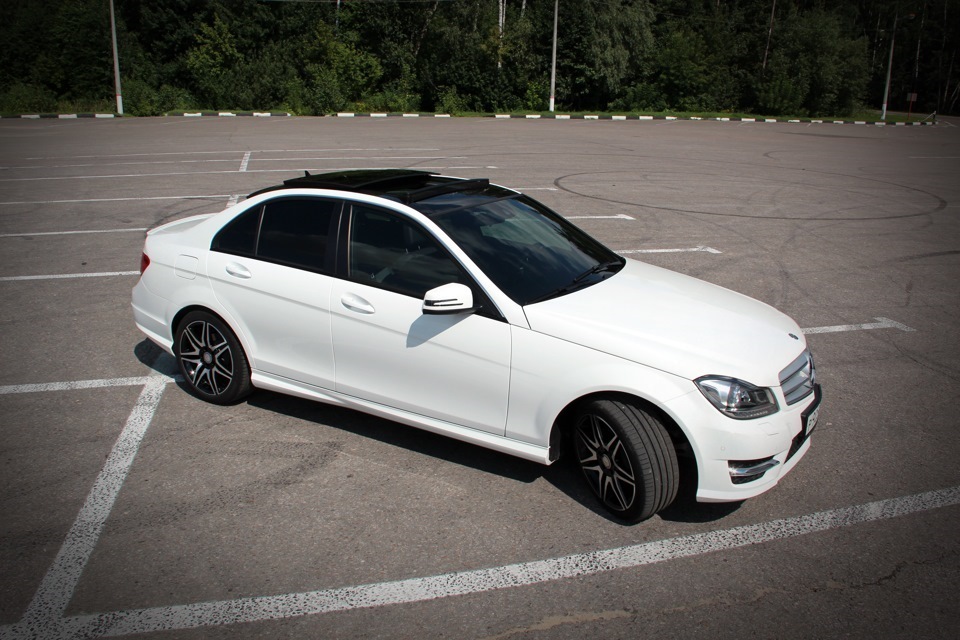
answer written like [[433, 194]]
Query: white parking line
[[190, 153], [69, 276], [295, 605], [619, 216], [70, 233], [52, 597], [142, 198], [44, 615], [881, 323], [70, 386], [690, 250], [245, 162], [200, 173]]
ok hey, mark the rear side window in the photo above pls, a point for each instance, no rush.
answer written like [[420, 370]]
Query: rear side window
[[296, 232]]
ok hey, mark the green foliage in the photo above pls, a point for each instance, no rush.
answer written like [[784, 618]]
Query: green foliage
[[457, 57], [24, 98], [451, 102], [213, 63]]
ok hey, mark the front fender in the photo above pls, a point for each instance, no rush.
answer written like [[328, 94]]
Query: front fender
[[548, 374]]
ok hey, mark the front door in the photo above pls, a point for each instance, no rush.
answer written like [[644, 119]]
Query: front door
[[454, 368]]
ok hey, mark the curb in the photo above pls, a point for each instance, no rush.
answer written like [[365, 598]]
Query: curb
[[496, 116], [61, 116], [509, 116], [71, 116]]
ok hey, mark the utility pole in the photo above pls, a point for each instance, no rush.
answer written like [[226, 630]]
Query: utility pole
[[116, 61], [553, 63], [766, 50], [886, 89]]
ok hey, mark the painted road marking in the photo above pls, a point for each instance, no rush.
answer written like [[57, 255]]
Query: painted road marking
[[245, 162], [295, 605], [881, 323], [77, 384], [619, 216], [44, 615], [70, 233], [690, 250], [190, 153], [207, 197], [55, 591], [68, 276], [200, 173]]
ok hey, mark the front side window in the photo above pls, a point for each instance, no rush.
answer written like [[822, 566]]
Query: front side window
[[390, 252]]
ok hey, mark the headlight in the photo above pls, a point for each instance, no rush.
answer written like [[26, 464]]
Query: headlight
[[736, 398]]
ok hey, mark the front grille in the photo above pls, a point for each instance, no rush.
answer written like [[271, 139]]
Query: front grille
[[799, 378]]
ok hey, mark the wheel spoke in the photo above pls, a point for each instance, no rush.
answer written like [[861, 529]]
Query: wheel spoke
[[605, 464], [193, 342]]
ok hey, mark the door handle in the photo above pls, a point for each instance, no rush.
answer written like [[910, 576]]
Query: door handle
[[354, 302], [238, 271]]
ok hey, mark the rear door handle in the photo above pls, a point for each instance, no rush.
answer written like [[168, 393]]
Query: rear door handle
[[238, 271]]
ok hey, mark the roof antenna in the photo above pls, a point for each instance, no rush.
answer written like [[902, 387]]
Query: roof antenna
[[306, 174]]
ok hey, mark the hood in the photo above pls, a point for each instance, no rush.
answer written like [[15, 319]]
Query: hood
[[674, 323]]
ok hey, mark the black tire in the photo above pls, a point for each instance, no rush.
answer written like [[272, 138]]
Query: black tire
[[626, 457], [211, 359]]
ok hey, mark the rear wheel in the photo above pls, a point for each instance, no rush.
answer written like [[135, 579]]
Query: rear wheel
[[211, 359], [626, 457]]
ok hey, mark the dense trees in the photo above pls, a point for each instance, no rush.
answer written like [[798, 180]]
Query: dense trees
[[800, 57]]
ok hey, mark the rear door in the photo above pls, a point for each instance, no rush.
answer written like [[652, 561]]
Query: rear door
[[271, 269]]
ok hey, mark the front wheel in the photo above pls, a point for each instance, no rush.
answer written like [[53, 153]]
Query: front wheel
[[626, 457], [211, 359]]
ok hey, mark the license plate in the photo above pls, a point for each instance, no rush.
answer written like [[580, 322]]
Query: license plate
[[812, 421], [812, 414]]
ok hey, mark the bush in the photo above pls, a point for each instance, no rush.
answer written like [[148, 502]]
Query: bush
[[451, 102], [23, 98]]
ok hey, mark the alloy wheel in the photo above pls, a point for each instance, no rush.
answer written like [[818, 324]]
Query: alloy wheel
[[605, 463], [206, 358]]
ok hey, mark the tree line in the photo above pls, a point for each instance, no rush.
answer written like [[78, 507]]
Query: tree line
[[312, 57]]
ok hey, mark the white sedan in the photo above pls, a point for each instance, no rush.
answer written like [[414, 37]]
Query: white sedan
[[471, 310]]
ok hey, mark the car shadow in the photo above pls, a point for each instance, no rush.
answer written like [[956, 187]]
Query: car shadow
[[563, 475]]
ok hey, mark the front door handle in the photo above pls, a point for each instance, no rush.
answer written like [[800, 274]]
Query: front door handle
[[353, 302], [238, 271]]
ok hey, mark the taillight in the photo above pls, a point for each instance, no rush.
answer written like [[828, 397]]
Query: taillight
[[144, 262]]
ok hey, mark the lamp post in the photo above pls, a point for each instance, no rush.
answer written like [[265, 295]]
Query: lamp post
[[886, 89], [553, 61], [893, 39], [116, 61]]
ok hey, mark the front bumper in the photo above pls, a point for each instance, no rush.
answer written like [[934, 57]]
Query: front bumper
[[740, 459]]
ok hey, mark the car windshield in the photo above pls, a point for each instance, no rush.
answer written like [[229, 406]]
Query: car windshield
[[531, 253]]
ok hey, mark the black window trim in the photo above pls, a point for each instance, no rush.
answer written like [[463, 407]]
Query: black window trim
[[333, 243], [483, 304]]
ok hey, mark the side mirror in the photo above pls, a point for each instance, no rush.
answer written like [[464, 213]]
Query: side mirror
[[448, 299]]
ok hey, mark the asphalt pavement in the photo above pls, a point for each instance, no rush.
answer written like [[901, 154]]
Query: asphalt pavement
[[130, 508]]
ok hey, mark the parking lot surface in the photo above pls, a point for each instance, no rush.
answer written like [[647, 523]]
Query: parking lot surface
[[132, 509]]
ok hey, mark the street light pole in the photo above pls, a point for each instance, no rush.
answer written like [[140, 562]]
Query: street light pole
[[116, 61], [553, 63], [886, 90]]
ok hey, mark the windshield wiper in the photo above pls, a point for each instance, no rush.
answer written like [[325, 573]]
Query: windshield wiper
[[612, 265], [598, 268]]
